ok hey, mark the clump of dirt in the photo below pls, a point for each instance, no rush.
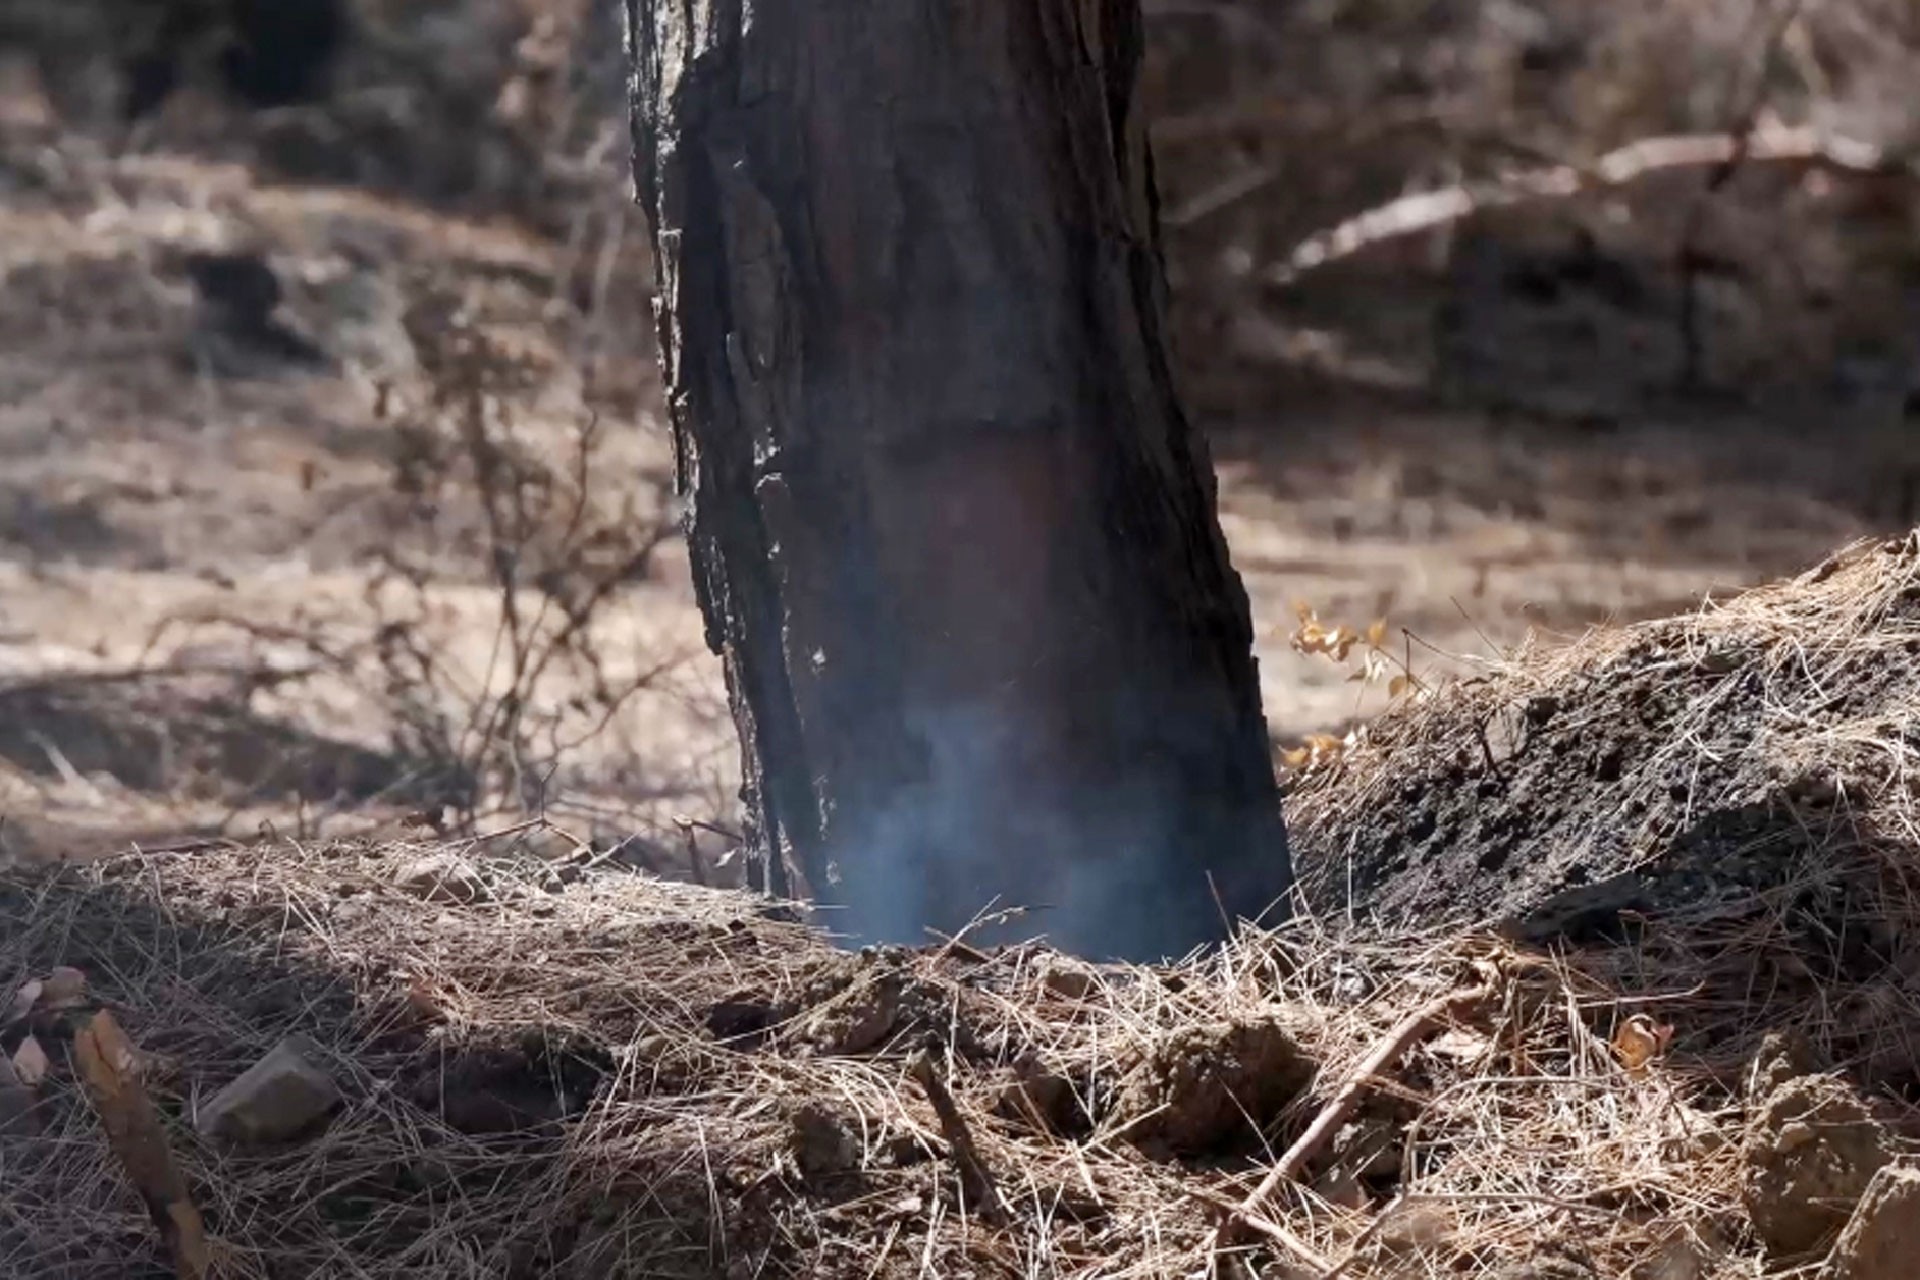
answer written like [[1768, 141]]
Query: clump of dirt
[[1202, 1088], [1812, 1151], [826, 1142], [529, 1084]]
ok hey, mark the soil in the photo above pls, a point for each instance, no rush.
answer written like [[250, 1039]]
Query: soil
[[1668, 767], [1197, 1091]]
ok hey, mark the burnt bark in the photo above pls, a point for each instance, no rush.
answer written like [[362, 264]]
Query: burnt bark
[[951, 532]]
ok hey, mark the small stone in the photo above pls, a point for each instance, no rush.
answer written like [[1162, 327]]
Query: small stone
[[441, 877], [1415, 1228], [1342, 1189], [1810, 1154], [64, 988], [275, 1099], [30, 1063], [1882, 1239], [1064, 977], [1678, 1259]]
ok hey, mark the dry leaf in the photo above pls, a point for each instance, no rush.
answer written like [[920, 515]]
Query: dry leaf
[[23, 1001], [1377, 633], [1313, 636], [1460, 1044], [1638, 1041], [1318, 748], [30, 1063]]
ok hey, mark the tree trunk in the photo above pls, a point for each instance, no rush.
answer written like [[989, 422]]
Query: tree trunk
[[951, 532]]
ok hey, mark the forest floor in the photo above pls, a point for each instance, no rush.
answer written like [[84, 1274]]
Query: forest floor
[[1703, 1064]]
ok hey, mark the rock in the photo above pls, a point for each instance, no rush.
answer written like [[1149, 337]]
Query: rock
[[1208, 1086], [1809, 1156], [64, 988], [275, 1099], [1882, 1239], [1065, 977], [441, 877]]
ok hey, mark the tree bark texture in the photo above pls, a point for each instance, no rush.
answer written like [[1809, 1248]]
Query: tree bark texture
[[951, 533]]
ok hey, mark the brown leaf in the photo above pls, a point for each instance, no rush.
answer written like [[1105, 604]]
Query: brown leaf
[[1638, 1041], [1377, 633], [23, 1001]]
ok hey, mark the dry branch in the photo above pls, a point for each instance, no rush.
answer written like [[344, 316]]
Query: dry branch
[[110, 1066], [1431, 210], [975, 1177], [1251, 1211]]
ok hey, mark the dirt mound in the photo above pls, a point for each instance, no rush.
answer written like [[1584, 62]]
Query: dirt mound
[[1689, 765]]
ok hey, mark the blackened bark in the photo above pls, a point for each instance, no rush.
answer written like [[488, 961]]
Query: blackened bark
[[951, 533]]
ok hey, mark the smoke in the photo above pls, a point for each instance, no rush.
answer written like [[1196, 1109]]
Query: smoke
[[1109, 871]]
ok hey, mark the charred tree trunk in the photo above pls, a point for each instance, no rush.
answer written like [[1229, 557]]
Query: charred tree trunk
[[951, 533]]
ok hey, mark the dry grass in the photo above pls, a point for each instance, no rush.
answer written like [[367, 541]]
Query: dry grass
[[684, 1161], [737, 1097]]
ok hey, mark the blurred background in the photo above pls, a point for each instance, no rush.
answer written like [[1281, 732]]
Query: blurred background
[[337, 492]]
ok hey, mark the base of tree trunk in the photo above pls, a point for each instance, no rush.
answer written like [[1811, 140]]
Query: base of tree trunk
[[950, 530]]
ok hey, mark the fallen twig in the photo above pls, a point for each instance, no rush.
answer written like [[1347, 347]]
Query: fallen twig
[[110, 1066], [975, 1177], [1430, 210], [1251, 1211]]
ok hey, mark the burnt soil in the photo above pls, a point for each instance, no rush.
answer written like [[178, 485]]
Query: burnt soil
[[1682, 764]]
